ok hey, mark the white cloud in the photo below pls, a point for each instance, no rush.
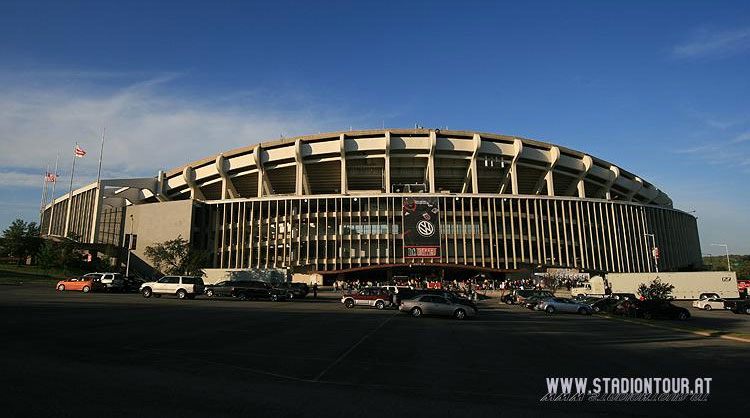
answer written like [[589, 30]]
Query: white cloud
[[12, 178], [147, 130], [707, 43], [743, 137]]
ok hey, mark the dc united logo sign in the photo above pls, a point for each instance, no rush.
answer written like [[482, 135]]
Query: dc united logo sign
[[421, 220], [425, 228]]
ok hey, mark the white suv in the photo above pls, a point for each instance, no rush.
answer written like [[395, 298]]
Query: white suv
[[181, 286]]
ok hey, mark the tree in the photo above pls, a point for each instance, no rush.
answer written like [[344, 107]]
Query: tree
[[21, 239], [656, 290], [48, 256], [65, 254], [176, 256]]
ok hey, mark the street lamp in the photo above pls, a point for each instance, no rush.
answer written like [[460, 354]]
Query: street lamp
[[130, 245], [654, 251], [726, 247]]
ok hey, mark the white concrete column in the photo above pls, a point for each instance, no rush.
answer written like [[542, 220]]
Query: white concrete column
[[95, 213], [613, 175], [161, 183], [264, 187], [636, 190], [301, 184], [588, 162], [387, 169], [512, 175], [342, 151], [227, 186], [547, 178], [188, 174], [431, 162]]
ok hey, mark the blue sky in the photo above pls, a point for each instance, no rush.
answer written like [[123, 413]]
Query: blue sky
[[659, 88]]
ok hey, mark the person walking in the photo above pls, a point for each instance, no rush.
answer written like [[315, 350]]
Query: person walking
[[315, 290]]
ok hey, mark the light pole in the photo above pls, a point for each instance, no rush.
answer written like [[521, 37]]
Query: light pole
[[654, 251], [130, 245], [726, 247]]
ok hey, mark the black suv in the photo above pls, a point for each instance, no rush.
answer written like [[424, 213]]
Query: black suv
[[260, 290], [225, 288]]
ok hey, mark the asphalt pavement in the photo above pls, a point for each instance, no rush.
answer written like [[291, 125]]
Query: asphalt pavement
[[120, 355]]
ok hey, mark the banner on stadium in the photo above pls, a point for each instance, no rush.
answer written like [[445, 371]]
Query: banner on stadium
[[421, 220]]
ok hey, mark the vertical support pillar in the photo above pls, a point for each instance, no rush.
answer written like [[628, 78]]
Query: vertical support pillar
[[342, 149], [95, 213], [387, 174], [431, 162]]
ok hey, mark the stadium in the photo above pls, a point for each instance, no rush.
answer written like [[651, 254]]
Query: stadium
[[361, 201]]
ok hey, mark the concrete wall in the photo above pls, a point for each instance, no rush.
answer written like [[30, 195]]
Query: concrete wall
[[158, 222]]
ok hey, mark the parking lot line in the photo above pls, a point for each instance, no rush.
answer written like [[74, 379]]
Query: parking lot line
[[699, 332], [355, 345]]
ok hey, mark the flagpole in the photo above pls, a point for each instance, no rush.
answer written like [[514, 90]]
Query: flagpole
[[101, 153], [52, 200], [72, 171], [44, 196], [70, 192], [46, 188]]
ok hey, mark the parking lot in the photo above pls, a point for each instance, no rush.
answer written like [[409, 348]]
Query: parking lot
[[80, 355]]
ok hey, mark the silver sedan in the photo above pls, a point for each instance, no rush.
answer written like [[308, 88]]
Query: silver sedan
[[436, 305], [553, 305]]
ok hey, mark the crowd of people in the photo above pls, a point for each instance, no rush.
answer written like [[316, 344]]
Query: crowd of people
[[462, 286]]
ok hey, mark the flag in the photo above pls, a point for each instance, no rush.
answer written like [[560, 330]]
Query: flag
[[50, 177], [79, 152]]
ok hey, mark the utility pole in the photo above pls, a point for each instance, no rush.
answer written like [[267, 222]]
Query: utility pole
[[726, 247]]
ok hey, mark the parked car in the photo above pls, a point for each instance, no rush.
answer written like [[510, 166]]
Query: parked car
[[223, 288], [111, 282], [295, 290], [532, 302], [517, 296], [586, 300], [132, 284], [184, 287], [552, 305], [709, 303], [372, 296], [651, 309], [626, 307], [436, 305], [260, 290], [624, 296], [604, 305], [84, 284], [738, 306], [452, 296]]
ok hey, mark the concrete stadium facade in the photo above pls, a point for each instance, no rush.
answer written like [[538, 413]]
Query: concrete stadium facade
[[333, 203]]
